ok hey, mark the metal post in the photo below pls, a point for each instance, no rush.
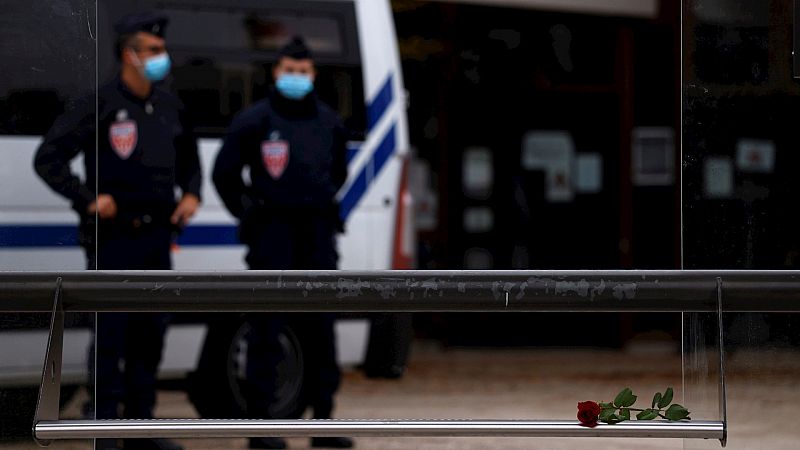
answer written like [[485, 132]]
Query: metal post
[[47, 406], [723, 393]]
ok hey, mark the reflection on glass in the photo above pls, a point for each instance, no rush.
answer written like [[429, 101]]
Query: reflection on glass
[[739, 135], [564, 71], [653, 156], [478, 220], [477, 259], [478, 173], [48, 54]]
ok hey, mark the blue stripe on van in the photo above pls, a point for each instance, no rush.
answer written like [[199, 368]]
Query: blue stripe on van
[[352, 151], [38, 235], [376, 109], [380, 104], [28, 236], [196, 235], [369, 173]]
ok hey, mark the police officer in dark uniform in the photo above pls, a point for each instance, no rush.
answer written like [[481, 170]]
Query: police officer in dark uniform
[[127, 205], [294, 147]]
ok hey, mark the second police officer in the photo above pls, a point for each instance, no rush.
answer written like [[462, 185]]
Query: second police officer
[[294, 147], [143, 151]]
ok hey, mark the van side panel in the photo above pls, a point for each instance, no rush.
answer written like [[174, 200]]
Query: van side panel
[[370, 199], [31, 212]]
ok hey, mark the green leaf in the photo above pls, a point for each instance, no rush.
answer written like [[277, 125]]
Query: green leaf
[[605, 414], [607, 405], [647, 414], [612, 419], [625, 398], [666, 399], [618, 399], [656, 400], [625, 414], [677, 412]]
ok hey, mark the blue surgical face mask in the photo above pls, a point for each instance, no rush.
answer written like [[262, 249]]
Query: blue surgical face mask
[[294, 86], [156, 67]]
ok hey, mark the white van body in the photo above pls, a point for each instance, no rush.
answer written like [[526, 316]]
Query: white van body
[[37, 227]]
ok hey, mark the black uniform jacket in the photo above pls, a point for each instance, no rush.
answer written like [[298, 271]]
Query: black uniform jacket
[[295, 152], [136, 150]]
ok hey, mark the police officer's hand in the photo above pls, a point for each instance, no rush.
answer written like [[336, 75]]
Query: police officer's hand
[[187, 208], [104, 206]]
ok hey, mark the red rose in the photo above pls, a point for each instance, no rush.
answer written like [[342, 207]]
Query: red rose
[[588, 413]]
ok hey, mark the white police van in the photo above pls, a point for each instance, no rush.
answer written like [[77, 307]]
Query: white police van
[[221, 54]]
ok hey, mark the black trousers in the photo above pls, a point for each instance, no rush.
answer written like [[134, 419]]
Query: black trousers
[[129, 345], [293, 242]]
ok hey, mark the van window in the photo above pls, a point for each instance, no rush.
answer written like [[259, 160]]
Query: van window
[[48, 58], [253, 30], [223, 54]]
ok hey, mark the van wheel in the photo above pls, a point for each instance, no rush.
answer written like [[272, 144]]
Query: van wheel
[[219, 386]]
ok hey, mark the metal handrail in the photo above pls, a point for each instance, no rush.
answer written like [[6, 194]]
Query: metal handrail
[[383, 291], [386, 291], [198, 428]]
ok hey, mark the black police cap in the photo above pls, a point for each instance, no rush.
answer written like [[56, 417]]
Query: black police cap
[[296, 49], [147, 21]]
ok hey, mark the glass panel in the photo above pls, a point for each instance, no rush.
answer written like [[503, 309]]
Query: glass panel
[[762, 362], [152, 134], [739, 141], [572, 73], [739, 188], [47, 97], [47, 85], [701, 374], [558, 100]]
